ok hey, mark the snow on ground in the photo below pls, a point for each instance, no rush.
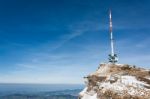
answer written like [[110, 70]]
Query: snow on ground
[[119, 83], [83, 92], [148, 78], [127, 83], [131, 80], [87, 96]]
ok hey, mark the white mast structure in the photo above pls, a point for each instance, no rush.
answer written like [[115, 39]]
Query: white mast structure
[[112, 56]]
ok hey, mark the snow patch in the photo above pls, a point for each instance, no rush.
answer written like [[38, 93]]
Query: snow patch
[[87, 96], [127, 83], [121, 82], [131, 80], [83, 92]]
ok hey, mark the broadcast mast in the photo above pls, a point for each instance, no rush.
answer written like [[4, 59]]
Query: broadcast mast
[[112, 57]]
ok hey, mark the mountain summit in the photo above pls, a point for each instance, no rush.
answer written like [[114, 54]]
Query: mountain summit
[[117, 81]]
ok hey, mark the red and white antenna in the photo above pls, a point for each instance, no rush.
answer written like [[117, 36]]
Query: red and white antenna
[[112, 56]]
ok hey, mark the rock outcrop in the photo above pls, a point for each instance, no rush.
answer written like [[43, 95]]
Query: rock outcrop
[[117, 81]]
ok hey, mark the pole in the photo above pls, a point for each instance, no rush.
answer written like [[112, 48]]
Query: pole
[[111, 35], [112, 57]]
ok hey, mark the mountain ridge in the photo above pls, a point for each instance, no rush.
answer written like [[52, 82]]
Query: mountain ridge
[[117, 81]]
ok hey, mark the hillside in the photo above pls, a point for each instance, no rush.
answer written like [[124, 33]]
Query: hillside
[[117, 81]]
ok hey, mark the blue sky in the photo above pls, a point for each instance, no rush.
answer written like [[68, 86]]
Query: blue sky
[[61, 41]]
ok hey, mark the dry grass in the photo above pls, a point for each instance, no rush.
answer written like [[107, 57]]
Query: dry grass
[[139, 73], [112, 95], [144, 79], [93, 79], [130, 70]]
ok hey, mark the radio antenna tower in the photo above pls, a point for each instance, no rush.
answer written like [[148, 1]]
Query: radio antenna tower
[[112, 57]]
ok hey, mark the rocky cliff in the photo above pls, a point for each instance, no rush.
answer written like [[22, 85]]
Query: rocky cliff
[[117, 81]]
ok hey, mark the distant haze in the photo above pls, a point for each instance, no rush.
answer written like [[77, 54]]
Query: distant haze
[[34, 88]]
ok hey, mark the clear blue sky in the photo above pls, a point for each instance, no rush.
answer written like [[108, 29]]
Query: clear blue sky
[[60, 41]]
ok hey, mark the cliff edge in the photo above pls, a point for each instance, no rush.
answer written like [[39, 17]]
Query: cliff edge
[[117, 81]]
